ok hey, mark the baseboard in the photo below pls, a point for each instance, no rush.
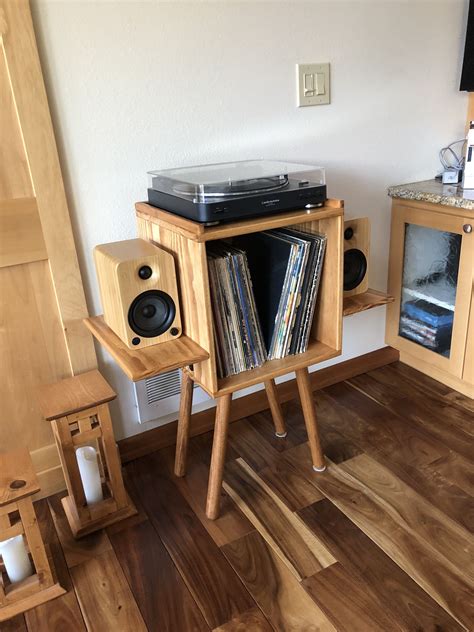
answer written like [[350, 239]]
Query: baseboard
[[164, 436], [48, 470]]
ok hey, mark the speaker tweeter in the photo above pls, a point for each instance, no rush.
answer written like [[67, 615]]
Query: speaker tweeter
[[139, 292]]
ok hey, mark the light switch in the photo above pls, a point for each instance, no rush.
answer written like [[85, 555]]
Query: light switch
[[312, 84], [320, 83]]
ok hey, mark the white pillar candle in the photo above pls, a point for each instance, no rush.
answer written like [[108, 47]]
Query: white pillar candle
[[90, 475], [16, 560]]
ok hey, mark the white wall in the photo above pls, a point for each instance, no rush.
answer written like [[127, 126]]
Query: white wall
[[135, 86]]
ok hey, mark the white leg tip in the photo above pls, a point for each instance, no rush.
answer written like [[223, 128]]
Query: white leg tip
[[319, 469], [281, 435]]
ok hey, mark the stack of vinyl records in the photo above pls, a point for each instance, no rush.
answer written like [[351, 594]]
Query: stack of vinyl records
[[264, 288], [237, 331], [427, 324], [285, 266]]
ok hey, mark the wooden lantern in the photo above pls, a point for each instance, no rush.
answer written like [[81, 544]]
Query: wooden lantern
[[17, 518], [78, 410]]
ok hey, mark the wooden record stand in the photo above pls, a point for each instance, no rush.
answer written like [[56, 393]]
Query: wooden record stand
[[195, 352]]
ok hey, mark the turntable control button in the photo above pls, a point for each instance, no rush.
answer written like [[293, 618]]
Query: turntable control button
[[303, 183]]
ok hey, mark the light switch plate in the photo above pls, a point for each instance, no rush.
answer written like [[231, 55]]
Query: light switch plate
[[313, 85]]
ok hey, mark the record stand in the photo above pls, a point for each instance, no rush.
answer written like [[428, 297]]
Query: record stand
[[186, 240], [194, 351]]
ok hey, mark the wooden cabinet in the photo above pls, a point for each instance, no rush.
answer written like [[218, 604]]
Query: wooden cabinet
[[186, 240], [431, 271]]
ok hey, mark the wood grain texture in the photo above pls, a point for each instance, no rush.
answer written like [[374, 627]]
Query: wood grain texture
[[251, 620], [408, 449], [16, 624], [417, 515], [151, 440], [389, 513], [219, 445], [38, 355], [367, 300], [371, 424], [184, 419], [302, 553], [116, 265], [358, 611], [158, 588], [421, 412], [20, 228], [456, 384], [37, 135], [16, 466], [401, 597], [139, 364], [274, 587], [439, 578], [104, 595], [317, 352], [76, 551], [74, 394], [411, 384], [275, 407], [289, 485], [309, 413], [41, 297], [15, 181], [208, 576], [199, 232], [191, 264], [64, 612], [249, 443], [231, 524]]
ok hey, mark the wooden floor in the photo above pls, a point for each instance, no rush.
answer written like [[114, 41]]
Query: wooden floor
[[380, 541]]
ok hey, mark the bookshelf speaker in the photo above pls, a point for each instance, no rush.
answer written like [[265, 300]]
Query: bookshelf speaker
[[356, 256], [139, 292]]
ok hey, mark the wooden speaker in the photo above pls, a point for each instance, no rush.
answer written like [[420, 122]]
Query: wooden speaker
[[356, 256], [139, 292]]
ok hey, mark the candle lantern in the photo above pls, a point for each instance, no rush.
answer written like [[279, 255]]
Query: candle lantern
[[78, 410], [26, 577]]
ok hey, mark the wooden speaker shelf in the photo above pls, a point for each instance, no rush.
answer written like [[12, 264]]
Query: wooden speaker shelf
[[138, 364], [362, 302]]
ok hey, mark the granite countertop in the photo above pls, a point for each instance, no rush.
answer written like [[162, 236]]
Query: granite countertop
[[435, 192]]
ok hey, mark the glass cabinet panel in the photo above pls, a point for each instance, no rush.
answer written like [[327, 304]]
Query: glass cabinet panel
[[430, 274]]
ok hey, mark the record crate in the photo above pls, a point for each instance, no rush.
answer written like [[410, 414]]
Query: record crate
[[186, 240]]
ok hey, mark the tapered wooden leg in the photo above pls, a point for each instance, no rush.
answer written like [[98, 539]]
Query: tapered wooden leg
[[277, 414], [309, 413], [218, 456], [185, 405]]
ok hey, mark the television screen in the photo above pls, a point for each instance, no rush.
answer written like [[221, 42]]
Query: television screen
[[467, 77]]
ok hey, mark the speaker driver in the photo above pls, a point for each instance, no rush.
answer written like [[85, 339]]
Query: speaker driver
[[151, 313], [355, 268]]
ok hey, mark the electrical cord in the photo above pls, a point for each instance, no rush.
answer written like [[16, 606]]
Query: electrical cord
[[456, 161]]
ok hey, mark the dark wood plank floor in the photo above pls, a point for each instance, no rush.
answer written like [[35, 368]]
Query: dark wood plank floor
[[381, 541]]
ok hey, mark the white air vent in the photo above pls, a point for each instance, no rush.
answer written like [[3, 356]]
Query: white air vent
[[158, 397], [162, 386]]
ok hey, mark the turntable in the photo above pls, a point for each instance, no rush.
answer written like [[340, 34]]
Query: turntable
[[236, 190]]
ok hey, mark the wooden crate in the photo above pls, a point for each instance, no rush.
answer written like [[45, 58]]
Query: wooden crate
[[186, 240]]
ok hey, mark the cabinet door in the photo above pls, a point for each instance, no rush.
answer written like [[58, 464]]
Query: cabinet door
[[430, 276]]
